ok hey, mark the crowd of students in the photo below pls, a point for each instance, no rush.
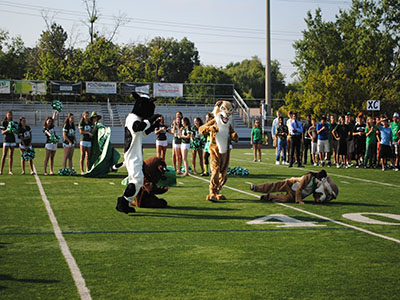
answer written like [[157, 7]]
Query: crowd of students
[[368, 142], [86, 126]]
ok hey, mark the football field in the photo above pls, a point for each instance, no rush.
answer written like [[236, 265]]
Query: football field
[[61, 237]]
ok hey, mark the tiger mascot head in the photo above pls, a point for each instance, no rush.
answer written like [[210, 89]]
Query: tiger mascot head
[[223, 113]]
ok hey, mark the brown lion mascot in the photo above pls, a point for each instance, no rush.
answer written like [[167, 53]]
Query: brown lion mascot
[[221, 133], [153, 170]]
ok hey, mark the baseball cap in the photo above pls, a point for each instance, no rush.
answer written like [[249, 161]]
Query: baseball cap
[[395, 115]]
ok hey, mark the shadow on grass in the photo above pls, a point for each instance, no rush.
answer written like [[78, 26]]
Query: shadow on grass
[[189, 216], [200, 208], [26, 280], [356, 204]]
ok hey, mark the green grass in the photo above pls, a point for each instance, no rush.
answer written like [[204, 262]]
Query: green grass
[[196, 249]]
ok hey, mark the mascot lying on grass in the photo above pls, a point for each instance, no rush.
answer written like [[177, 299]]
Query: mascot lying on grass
[[141, 121], [221, 134], [154, 169], [320, 185]]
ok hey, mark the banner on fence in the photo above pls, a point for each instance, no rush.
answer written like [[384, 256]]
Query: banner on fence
[[168, 89], [5, 86], [128, 88], [95, 87], [32, 87], [66, 88]]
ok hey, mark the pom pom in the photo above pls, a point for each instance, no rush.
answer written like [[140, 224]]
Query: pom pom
[[12, 127], [57, 105], [66, 172], [239, 171], [28, 154], [54, 139]]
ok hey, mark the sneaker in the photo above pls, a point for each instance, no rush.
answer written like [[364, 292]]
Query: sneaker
[[395, 169], [254, 160], [329, 164], [315, 164], [277, 163], [323, 164], [259, 160], [338, 166], [285, 163]]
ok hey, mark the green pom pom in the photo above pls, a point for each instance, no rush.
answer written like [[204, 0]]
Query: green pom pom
[[57, 105], [238, 171], [28, 154], [13, 127], [54, 139]]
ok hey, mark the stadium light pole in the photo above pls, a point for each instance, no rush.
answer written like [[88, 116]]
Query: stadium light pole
[[267, 109]]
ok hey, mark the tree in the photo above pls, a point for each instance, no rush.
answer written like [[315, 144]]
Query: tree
[[354, 58], [13, 56]]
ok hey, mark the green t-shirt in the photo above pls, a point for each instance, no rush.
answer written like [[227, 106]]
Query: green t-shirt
[[256, 134], [371, 139], [395, 128]]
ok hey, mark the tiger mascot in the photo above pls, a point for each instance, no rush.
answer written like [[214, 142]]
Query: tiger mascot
[[221, 133]]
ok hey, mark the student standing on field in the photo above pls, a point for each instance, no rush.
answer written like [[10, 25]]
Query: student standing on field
[[359, 140], [385, 138], [312, 134], [295, 131], [275, 124], [161, 138], [8, 144], [395, 126], [307, 139], [69, 141], [197, 144], [350, 140], [281, 133], [185, 137], [333, 141], [370, 143], [51, 145], [85, 128], [323, 141], [341, 133], [256, 140], [25, 135]]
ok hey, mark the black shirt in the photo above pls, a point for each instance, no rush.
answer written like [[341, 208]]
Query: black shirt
[[70, 131], [25, 134], [306, 126], [51, 130], [88, 127], [360, 128], [162, 135], [9, 137]]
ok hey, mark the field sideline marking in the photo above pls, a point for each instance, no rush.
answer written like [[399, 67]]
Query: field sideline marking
[[75, 271], [330, 174], [310, 213]]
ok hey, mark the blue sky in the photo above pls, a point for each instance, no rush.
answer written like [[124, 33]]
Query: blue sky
[[223, 31]]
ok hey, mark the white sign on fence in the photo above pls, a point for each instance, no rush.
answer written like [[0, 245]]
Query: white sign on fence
[[168, 89], [373, 105], [5, 86], [93, 87]]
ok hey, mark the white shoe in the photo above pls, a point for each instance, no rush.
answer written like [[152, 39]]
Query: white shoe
[[315, 164], [277, 163]]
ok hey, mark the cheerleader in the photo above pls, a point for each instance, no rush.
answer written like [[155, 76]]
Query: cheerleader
[[8, 143], [197, 144], [69, 141], [51, 145], [161, 138], [25, 135], [85, 128], [176, 129]]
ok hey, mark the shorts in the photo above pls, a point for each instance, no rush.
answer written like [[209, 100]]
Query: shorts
[[350, 146], [334, 146], [385, 152], [87, 144], [185, 146], [9, 144], [257, 142], [176, 145], [51, 147], [67, 145], [22, 147], [162, 143], [341, 147], [314, 148], [323, 146]]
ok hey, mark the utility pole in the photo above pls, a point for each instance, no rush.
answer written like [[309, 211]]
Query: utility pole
[[267, 107]]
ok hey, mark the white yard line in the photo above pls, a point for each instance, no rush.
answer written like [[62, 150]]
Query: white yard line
[[310, 213], [76, 273], [330, 174]]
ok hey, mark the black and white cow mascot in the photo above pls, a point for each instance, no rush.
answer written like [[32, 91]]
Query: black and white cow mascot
[[140, 122]]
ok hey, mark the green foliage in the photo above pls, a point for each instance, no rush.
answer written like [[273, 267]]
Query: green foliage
[[13, 55], [343, 63]]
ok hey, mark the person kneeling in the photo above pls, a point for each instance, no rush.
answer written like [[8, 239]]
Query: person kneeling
[[297, 188]]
